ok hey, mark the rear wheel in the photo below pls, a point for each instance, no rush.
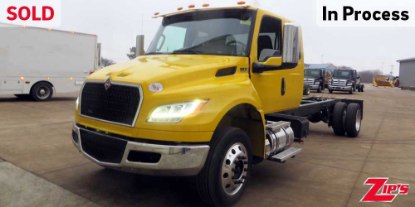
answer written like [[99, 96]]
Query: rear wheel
[[362, 88], [330, 91], [339, 115], [353, 120], [224, 177], [41, 91]]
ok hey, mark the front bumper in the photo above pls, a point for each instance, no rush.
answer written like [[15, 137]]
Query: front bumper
[[314, 87], [174, 160], [340, 88]]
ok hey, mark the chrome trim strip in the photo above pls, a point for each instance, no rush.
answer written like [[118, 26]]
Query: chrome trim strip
[[114, 83]]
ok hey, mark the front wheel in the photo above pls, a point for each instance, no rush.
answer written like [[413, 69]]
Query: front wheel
[[319, 89], [225, 175]]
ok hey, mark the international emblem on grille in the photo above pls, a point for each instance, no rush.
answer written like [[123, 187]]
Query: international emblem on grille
[[107, 84]]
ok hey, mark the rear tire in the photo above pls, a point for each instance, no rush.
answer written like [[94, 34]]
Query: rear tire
[[353, 120], [41, 91], [339, 115], [225, 175], [330, 91], [362, 88]]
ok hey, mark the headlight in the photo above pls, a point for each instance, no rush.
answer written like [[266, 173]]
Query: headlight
[[349, 83], [317, 83], [77, 103], [174, 113]]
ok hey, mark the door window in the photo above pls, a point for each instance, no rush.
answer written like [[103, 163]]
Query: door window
[[269, 39]]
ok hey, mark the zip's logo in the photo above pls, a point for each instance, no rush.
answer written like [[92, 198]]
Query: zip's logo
[[38, 13], [380, 191]]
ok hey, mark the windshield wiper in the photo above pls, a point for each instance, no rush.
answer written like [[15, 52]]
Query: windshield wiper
[[155, 53], [186, 51]]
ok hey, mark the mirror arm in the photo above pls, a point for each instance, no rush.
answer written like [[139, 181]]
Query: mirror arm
[[260, 68]]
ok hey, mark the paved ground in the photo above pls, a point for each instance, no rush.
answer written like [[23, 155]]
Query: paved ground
[[330, 171], [21, 188]]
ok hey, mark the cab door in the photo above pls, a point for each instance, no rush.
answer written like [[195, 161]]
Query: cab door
[[279, 85]]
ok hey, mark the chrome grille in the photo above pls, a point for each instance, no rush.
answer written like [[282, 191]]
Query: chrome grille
[[339, 82]]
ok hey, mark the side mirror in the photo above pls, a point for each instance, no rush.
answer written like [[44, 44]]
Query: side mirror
[[272, 63], [139, 45], [291, 47]]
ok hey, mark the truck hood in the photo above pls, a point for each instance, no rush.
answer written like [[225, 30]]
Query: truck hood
[[167, 69]]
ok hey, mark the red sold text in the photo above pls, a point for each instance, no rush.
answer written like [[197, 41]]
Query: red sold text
[[30, 13]]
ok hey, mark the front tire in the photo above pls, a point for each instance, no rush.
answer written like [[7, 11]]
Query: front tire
[[319, 89], [225, 175], [307, 91], [41, 91]]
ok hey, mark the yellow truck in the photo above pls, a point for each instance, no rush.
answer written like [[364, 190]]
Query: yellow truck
[[218, 90]]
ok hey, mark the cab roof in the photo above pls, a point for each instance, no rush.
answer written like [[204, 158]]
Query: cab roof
[[183, 10]]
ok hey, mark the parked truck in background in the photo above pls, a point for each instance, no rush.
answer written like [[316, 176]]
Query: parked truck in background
[[39, 62], [317, 79], [346, 80], [218, 90]]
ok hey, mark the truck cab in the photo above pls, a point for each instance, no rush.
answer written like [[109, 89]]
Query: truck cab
[[317, 79], [203, 101], [345, 80]]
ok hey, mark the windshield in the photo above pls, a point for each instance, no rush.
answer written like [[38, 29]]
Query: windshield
[[310, 73], [220, 32], [344, 74]]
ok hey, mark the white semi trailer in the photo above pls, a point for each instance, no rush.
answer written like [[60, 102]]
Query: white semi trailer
[[39, 62]]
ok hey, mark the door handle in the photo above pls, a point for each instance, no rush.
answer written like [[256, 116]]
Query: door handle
[[283, 87]]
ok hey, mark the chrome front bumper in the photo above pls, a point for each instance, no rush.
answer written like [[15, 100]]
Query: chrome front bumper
[[340, 88], [314, 87], [175, 160]]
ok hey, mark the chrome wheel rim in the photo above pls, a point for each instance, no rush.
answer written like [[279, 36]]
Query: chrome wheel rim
[[358, 120], [234, 169], [43, 93]]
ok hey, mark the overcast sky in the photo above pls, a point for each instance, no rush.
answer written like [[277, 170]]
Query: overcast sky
[[118, 22]]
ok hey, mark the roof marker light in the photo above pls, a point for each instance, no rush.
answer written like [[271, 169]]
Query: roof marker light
[[192, 6], [157, 13], [241, 2], [180, 8], [205, 5]]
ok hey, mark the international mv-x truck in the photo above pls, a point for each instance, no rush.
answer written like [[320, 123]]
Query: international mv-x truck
[[218, 90]]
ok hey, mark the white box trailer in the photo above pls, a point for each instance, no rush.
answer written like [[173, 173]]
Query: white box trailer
[[40, 62]]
